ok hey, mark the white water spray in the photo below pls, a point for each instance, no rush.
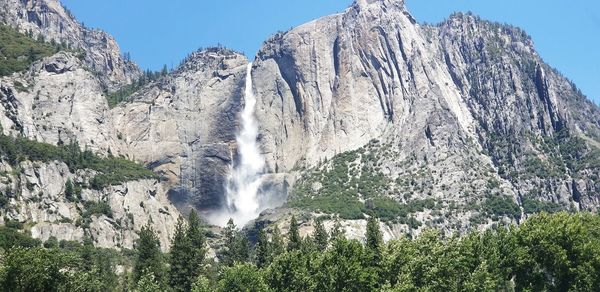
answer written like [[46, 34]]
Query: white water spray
[[244, 180]]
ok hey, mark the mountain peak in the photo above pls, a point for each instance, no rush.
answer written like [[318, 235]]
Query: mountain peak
[[384, 3], [366, 5]]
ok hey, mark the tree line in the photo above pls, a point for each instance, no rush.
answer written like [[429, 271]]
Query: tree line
[[548, 252]]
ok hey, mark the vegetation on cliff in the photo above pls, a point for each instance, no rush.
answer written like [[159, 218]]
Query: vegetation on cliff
[[18, 51], [111, 170]]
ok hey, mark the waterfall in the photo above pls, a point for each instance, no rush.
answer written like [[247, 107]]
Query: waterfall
[[245, 177]]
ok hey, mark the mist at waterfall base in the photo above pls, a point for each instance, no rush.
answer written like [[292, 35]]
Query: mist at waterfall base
[[243, 188]]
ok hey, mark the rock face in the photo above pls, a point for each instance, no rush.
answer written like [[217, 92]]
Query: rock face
[[184, 126], [59, 100], [37, 196], [464, 110], [50, 20]]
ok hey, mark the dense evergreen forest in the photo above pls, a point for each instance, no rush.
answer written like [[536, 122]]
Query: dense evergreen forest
[[548, 252]]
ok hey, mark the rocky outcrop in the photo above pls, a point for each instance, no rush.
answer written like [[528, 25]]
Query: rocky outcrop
[[58, 101], [50, 20], [36, 196], [464, 110], [184, 126]]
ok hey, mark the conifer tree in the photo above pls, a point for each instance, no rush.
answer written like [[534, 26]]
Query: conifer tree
[[277, 246], [294, 240], [321, 236], [374, 243], [337, 232], [197, 254], [187, 253], [263, 250], [149, 256], [229, 233], [69, 190], [180, 253], [374, 236]]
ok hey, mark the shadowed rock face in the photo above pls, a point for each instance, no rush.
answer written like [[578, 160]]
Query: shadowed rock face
[[185, 125]]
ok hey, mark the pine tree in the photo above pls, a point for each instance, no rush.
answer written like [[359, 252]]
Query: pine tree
[[195, 234], [308, 245], [321, 236], [277, 246], [69, 190], [187, 253], [149, 256], [241, 252], [374, 236], [294, 240], [180, 254], [374, 246], [337, 232], [263, 250], [227, 256], [148, 283]]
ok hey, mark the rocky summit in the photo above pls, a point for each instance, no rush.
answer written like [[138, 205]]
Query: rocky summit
[[366, 113]]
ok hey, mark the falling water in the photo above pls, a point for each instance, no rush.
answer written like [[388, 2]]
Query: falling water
[[245, 178]]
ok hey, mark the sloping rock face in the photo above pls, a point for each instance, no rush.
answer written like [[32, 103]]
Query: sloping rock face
[[58, 100], [36, 196], [344, 80], [463, 112], [50, 20], [184, 126]]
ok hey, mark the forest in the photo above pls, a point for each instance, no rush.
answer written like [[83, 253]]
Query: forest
[[548, 252]]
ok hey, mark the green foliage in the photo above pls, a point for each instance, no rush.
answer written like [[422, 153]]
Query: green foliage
[[548, 252], [180, 249], [149, 257], [292, 271], [202, 284], [69, 190], [97, 208], [242, 278], [113, 170], [341, 181], [64, 266], [237, 246], [531, 206], [374, 236], [497, 206], [294, 239], [123, 94], [148, 283], [559, 252], [187, 253], [35, 269], [277, 246], [10, 238], [321, 236], [263, 249], [19, 51], [346, 267], [351, 185]]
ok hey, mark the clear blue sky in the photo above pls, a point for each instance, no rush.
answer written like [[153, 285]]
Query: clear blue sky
[[157, 32]]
